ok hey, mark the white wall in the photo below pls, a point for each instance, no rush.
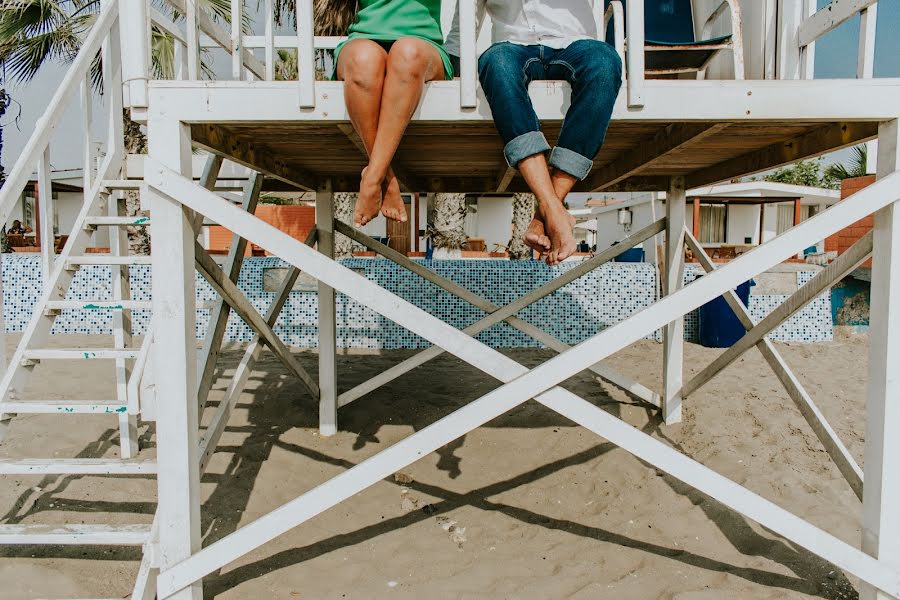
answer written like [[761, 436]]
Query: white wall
[[743, 221], [770, 222], [494, 223], [609, 230]]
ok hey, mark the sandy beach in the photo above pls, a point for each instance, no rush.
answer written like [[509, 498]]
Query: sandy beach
[[527, 507]]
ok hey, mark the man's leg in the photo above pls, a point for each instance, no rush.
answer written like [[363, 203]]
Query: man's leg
[[594, 70], [505, 70]]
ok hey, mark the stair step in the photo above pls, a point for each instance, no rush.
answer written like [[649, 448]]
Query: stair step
[[76, 466], [103, 407], [123, 184], [80, 353], [105, 259], [99, 305], [97, 535], [117, 221]]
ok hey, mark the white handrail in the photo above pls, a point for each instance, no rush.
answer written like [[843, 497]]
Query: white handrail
[[635, 56], [65, 93]]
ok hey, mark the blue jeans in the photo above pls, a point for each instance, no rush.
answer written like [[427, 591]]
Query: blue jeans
[[592, 68]]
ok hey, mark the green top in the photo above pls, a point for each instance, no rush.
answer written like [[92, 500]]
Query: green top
[[390, 20]]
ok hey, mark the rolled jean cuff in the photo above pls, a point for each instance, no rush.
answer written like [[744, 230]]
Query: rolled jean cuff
[[525, 145], [570, 162]]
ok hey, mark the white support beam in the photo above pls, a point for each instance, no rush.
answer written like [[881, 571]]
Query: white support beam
[[237, 34], [175, 348], [832, 443], [881, 495], [504, 178], [538, 383], [45, 216], [673, 333], [134, 24], [218, 317], [327, 315], [829, 18]]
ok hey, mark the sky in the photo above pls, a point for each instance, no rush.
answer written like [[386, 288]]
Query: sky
[[835, 58]]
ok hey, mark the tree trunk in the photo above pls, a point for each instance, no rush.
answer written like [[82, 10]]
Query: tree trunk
[[523, 213], [344, 203], [135, 143], [448, 234]]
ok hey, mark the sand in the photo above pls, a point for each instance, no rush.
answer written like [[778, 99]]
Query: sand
[[528, 506]]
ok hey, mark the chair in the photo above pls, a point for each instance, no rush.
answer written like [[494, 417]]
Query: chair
[[671, 46]]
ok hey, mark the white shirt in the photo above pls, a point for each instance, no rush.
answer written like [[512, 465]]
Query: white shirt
[[553, 23]]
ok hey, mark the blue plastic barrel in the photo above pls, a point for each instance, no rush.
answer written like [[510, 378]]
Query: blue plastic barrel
[[631, 255], [719, 327]]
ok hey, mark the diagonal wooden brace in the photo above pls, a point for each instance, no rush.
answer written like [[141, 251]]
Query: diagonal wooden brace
[[829, 438], [244, 308], [498, 314], [213, 432], [538, 383], [218, 317], [824, 279]]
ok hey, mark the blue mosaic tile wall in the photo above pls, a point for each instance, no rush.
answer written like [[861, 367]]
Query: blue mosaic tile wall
[[575, 312], [812, 324]]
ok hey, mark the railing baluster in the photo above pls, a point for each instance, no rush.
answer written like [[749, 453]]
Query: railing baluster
[[44, 200], [270, 40], [86, 122], [193, 39], [135, 26], [634, 25], [306, 54], [237, 15], [468, 77]]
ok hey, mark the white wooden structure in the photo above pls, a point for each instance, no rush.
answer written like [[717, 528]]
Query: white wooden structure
[[667, 135]]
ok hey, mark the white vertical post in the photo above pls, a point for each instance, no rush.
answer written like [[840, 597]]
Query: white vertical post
[[192, 35], [134, 17], [237, 16], [174, 319], [468, 76], [634, 25], [4, 363], [86, 123], [789, 18], [865, 69], [270, 40], [180, 57], [306, 54], [807, 53], [673, 334], [327, 315], [771, 43], [45, 214], [881, 490]]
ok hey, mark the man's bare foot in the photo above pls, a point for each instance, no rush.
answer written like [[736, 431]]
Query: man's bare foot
[[369, 202], [535, 237], [392, 207], [559, 226]]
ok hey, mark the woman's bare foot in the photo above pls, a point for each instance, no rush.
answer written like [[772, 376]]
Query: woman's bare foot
[[369, 202], [559, 226], [392, 207], [535, 237]]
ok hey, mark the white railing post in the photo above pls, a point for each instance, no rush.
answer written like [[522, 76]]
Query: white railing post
[[808, 52], [634, 24], [789, 19], [270, 40], [192, 34], [865, 69], [673, 333], [44, 199], [237, 16], [134, 19], [306, 54], [881, 490], [468, 75]]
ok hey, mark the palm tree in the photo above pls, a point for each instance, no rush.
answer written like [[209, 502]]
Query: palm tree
[[523, 213], [858, 166], [448, 231], [35, 32]]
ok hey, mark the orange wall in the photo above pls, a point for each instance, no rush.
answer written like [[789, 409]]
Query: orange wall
[[846, 237], [296, 221]]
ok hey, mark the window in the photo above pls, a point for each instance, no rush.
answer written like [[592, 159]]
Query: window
[[712, 223]]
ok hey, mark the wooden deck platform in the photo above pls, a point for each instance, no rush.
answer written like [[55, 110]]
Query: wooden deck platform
[[706, 131]]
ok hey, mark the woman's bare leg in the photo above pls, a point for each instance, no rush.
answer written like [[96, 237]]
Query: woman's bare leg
[[362, 65], [411, 63]]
